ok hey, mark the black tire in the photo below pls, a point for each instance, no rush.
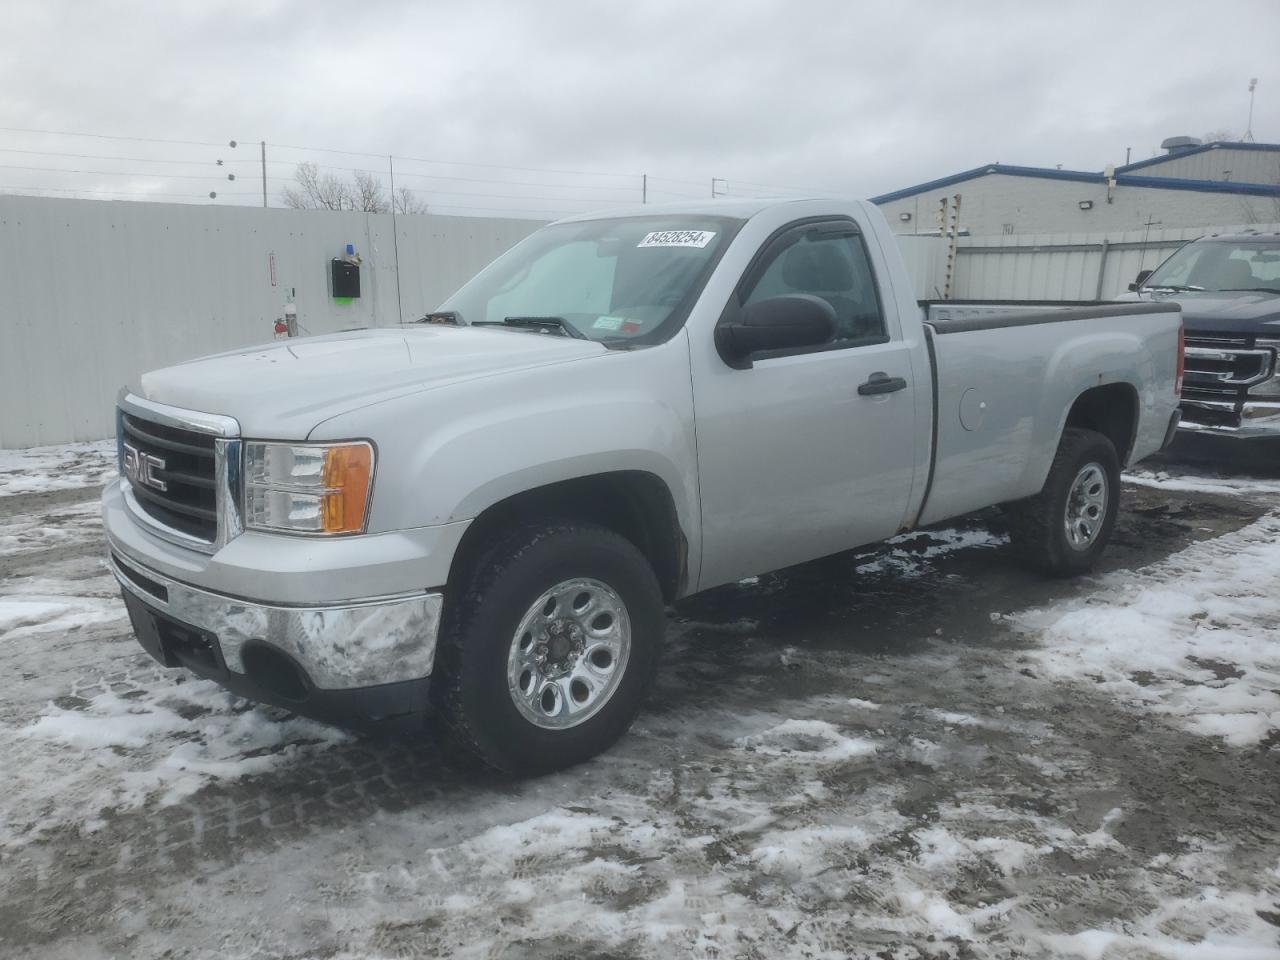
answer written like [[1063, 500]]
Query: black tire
[[1038, 525], [470, 683]]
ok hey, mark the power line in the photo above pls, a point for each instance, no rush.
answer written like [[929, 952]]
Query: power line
[[101, 156], [701, 184], [281, 179], [112, 173], [742, 187], [104, 136], [122, 193], [774, 186], [444, 206], [451, 163]]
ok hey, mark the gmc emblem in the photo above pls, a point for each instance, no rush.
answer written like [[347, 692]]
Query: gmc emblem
[[140, 468]]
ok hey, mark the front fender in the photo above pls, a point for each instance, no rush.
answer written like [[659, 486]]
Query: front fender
[[446, 455]]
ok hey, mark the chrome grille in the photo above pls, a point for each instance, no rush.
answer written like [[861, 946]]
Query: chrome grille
[[1219, 372], [172, 475]]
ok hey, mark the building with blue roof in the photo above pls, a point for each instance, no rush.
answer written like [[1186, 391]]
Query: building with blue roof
[[1192, 184]]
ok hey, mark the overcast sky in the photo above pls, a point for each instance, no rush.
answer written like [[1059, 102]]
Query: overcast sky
[[844, 97]]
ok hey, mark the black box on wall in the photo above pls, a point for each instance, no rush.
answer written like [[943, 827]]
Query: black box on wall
[[346, 279]]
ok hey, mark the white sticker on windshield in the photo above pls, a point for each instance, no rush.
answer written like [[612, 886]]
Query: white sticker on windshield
[[677, 238], [608, 323]]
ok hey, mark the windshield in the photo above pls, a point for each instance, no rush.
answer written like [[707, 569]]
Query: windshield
[[624, 281], [1221, 265]]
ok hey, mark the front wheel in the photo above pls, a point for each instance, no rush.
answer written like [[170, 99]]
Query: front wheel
[[1064, 529], [551, 647]]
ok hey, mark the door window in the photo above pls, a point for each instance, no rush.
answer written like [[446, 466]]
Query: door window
[[827, 262]]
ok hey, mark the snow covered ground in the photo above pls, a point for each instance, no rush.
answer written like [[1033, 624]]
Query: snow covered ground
[[917, 751], [1195, 637], [66, 467]]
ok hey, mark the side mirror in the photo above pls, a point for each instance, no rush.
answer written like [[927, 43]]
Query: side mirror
[[1142, 278], [779, 323]]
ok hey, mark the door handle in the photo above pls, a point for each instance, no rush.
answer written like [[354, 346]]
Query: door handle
[[881, 382]]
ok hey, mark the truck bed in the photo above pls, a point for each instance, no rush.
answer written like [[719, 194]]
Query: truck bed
[[1005, 375]]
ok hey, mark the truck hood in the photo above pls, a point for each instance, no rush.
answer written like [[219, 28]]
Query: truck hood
[[285, 389], [1231, 311]]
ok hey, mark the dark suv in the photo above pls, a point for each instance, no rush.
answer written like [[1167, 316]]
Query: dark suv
[[1229, 289]]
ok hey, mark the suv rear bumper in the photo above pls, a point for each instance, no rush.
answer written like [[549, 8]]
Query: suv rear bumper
[[357, 663]]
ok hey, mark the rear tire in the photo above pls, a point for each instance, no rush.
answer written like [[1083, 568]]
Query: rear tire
[[550, 647], [1063, 530]]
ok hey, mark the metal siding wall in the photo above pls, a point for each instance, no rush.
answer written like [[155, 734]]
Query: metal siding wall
[[97, 292], [1053, 267], [1036, 206], [1246, 166]]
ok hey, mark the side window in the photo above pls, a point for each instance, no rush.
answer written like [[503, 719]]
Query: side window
[[829, 264]]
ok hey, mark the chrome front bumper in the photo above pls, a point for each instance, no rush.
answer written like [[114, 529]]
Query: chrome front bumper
[[352, 644]]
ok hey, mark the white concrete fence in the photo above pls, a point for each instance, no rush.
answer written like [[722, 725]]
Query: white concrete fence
[[93, 293]]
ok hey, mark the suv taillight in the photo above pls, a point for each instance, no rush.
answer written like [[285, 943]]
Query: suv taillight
[[1182, 359]]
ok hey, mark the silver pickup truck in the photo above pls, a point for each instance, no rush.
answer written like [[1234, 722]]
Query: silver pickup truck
[[486, 513]]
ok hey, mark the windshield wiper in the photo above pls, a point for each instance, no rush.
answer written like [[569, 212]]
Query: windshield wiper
[[1175, 287], [536, 323], [1251, 290]]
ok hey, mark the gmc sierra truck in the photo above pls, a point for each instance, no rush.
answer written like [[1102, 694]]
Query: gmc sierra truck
[[1228, 286], [485, 514]]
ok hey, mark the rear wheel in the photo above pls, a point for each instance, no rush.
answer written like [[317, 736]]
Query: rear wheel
[[1064, 529], [550, 647]]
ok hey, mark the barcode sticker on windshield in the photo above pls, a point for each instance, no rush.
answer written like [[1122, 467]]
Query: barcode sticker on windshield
[[677, 238]]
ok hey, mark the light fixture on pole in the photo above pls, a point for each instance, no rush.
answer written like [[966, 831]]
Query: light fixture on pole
[[1248, 130]]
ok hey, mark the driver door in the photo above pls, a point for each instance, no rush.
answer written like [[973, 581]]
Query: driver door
[[794, 463]]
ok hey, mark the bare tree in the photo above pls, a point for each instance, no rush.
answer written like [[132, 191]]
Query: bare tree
[[316, 192], [363, 192], [368, 193], [406, 201], [1220, 136]]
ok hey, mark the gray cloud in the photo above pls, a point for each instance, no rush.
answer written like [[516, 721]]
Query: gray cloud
[[851, 97]]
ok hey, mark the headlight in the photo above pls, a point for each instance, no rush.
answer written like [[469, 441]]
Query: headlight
[[1269, 388], [308, 488]]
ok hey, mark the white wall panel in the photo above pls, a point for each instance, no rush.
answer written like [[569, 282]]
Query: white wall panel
[[95, 293]]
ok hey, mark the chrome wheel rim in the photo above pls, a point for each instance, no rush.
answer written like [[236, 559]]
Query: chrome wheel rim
[[569, 654], [1086, 506]]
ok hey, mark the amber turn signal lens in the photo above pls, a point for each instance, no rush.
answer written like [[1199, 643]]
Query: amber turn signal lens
[[348, 470]]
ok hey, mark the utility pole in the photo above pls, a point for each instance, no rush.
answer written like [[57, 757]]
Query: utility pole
[[1248, 130], [395, 238], [644, 188], [264, 173]]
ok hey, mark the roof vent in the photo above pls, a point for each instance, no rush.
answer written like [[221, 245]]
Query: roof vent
[[1178, 144]]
